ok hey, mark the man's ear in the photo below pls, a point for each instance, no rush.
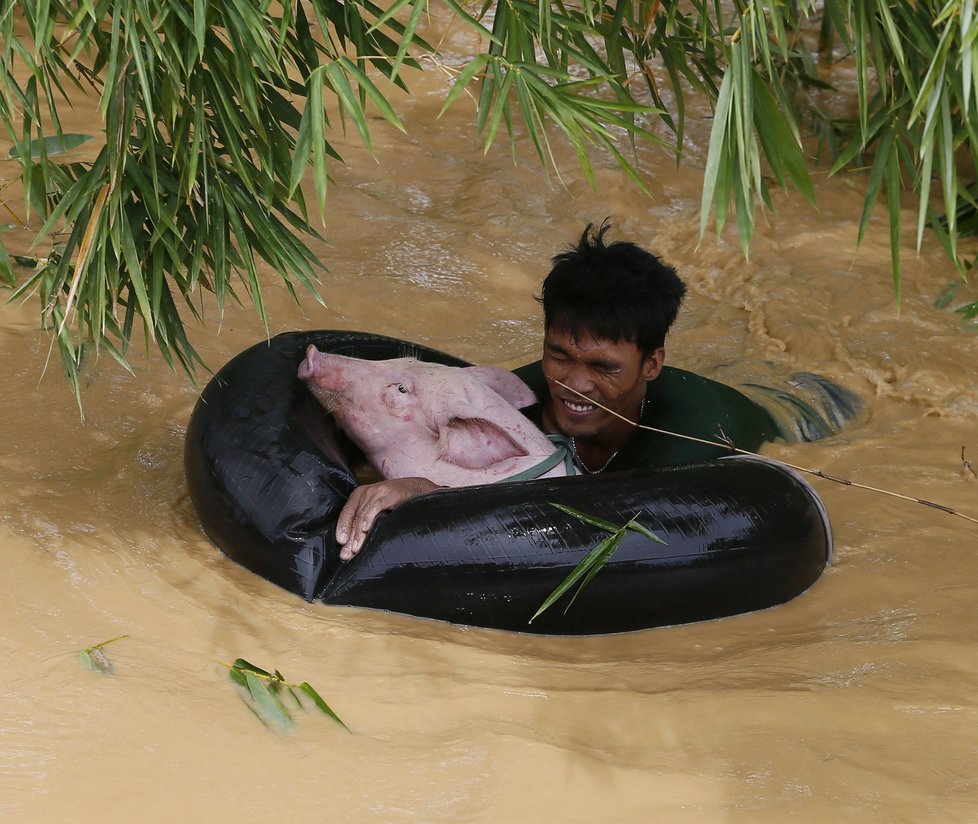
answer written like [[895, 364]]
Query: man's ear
[[653, 363]]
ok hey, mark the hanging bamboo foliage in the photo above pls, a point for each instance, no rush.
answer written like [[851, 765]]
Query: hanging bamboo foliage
[[214, 112]]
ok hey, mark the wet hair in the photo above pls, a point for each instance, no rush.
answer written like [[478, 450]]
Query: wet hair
[[612, 292]]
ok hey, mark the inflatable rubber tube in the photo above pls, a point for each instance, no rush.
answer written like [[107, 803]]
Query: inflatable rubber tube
[[268, 474]]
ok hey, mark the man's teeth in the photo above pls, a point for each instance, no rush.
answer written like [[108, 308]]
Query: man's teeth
[[579, 407]]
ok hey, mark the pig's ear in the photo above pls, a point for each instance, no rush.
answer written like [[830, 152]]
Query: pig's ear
[[475, 443], [504, 383]]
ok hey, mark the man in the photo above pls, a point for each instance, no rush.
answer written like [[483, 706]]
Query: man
[[607, 309]]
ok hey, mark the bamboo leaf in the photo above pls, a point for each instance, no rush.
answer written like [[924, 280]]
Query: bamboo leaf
[[500, 105], [407, 34], [134, 269], [716, 151], [316, 126], [200, 27], [245, 666], [300, 157], [893, 208], [50, 146], [601, 523], [367, 85], [949, 177], [780, 146], [969, 312], [876, 176], [926, 174], [463, 79], [321, 705], [934, 78], [349, 102], [93, 658], [268, 703], [265, 691], [894, 40], [860, 39], [575, 575], [469, 20], [607, 551], [392, 10], [595, 560], [635, 526]]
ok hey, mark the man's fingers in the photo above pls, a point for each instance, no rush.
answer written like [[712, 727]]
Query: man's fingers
[[347, 515], [366, 503], [357, 517]]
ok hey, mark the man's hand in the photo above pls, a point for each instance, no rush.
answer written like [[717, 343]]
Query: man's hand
[[367, 502]]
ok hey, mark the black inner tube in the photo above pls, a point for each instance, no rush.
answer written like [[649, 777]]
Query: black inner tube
[[268, 474]]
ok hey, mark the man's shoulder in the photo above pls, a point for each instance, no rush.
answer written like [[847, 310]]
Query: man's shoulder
[[688, 404]]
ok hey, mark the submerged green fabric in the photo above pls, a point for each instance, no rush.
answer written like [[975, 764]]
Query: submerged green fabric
[[682, 402]]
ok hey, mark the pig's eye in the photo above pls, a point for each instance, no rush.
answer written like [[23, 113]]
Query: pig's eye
[[402, 388]]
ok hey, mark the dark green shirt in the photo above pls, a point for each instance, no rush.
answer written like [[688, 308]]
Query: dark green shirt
[[682, 402]]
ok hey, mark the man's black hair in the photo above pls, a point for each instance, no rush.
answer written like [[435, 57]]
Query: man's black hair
[[616, 292]]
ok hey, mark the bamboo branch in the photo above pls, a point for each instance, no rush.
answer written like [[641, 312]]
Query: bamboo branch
[[816, 472]]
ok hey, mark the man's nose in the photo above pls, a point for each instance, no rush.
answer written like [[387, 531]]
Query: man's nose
[[579, 377]]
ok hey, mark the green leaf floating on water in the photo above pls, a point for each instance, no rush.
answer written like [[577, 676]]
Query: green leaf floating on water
[[52, 145], [268, 701], [243, 666], [323, 707], [263, 692], [595, 559], [94, 658]]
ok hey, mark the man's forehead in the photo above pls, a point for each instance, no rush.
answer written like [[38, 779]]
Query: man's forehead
[[582, 338], [584, 344]]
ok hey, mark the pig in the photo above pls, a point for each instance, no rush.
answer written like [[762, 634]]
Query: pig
[[456, 426]]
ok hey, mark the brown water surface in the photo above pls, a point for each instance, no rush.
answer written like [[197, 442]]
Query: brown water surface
[[858, 701]]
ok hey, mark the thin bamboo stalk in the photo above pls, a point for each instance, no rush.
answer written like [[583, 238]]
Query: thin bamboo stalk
[[726, 444]]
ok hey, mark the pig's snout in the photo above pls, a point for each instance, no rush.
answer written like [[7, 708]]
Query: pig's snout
[[308, 367]]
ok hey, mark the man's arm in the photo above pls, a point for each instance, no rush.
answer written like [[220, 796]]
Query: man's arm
[[367, 502]]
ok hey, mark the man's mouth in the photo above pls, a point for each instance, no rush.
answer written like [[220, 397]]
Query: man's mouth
[[578, 407]]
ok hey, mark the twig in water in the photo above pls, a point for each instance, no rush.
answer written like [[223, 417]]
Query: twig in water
[[816, 472], [967, 464], [262, 693], [93, 658]]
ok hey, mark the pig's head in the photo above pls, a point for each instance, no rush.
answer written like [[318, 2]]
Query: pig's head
[[411, 417]]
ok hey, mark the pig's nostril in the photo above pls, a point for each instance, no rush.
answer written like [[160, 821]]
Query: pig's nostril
[[308, 367]]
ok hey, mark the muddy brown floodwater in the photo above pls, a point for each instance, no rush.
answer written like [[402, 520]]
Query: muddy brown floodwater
[[858, 701]]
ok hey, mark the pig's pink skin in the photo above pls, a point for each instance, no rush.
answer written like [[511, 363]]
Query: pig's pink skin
[[412, 419]]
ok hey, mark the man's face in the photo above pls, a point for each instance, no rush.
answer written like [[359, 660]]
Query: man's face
[[611, 373]]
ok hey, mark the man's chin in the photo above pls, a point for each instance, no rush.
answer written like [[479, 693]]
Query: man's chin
[[577, 428]]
